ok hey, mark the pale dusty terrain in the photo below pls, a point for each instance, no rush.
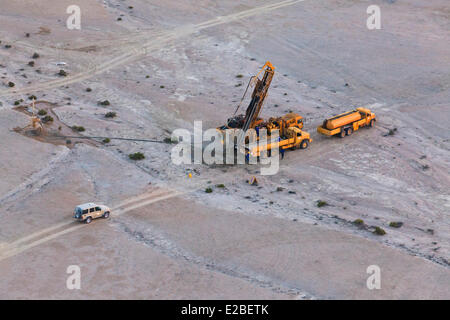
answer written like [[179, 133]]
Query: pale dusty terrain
[[167, 64]]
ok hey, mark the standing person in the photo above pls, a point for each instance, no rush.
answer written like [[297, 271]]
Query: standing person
[[281, 149]]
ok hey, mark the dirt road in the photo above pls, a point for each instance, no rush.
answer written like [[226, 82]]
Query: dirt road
[[141, 46], [20, 245]]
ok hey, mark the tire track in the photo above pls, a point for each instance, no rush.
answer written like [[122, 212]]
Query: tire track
[[8, 250], [141, 50], [37, 178], [18, 246], [39, 233]]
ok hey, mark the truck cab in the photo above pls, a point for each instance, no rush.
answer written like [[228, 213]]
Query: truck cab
[[368, 115], [293, 120], [296, 138]]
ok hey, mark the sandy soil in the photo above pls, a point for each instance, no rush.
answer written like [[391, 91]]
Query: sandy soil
[[164, 65]]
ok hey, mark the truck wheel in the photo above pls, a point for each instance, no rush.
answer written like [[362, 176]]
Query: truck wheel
[[88, 220], [342, 134], [304, 144], [349, 131], [372, 123], [106, 215]]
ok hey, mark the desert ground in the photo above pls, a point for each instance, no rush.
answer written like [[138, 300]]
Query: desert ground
[[161, 65]]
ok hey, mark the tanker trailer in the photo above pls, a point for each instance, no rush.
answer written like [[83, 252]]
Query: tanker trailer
[[348, 122]]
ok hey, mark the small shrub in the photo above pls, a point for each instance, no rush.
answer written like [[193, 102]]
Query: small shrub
[[239, 76], [78, 128], [395, 224], [62, 73], [32, 97], [162, 87], [104, 103], [47, 118], [42, 112], [106, 140], [392, 132], [379, 231], [321, 203], [110, 115], [11, 84], [279, 189], [17, 102], [358, 222], [35, 55], [220, 185], [31, 63], [208, 190], [136, 156], [7, 46], [169, 140], [88, 89], [425, 167]]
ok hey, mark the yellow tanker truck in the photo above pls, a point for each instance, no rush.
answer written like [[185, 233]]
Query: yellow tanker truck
[[348, 122]]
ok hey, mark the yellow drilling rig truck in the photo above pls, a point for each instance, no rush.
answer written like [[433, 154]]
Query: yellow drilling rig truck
[[348, 122], [288, 126]]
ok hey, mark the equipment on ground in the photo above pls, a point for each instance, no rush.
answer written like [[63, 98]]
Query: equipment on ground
[[250, 120], [35, 125], [348, 122], [253, 181], [288, 126]]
